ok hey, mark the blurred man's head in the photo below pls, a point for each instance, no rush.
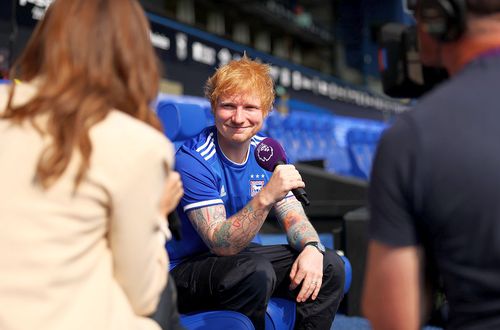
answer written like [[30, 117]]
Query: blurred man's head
[[442, 23]]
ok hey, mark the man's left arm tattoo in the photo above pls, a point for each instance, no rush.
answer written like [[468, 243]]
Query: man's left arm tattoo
[[293, 219]]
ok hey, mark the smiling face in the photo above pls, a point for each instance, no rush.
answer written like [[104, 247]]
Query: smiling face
[[237, 118]]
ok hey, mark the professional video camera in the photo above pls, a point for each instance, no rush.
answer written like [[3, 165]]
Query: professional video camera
[[402, 73]]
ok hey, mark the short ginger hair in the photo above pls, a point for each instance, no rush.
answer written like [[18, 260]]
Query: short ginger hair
[[242, 76]]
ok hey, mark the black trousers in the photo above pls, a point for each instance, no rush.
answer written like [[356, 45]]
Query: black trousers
[[246, 281]]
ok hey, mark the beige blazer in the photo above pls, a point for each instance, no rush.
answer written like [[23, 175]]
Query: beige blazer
[[94, 260]]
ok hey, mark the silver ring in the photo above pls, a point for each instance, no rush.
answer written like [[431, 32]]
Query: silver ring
[[314, 282]]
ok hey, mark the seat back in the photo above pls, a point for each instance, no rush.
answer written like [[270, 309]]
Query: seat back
[[362, 144], [181, 121], [280, 314]]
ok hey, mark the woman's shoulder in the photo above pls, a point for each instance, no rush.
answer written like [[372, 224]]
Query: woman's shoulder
[[128, 128], [123, 133]]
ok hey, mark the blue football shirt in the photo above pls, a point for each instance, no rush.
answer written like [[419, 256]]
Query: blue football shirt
[[210, 178]]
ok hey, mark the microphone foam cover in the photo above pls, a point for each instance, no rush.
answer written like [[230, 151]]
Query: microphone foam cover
[[269, 153]]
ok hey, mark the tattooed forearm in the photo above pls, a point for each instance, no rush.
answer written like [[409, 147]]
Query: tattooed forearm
[[222, 235], [228, 236], [283, 207], [248, 213], [206, 220], [301, 234], [294, 221]]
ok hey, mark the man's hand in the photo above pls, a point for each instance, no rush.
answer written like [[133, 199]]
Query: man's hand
[[308, 270], [172, 193], [284, 179]]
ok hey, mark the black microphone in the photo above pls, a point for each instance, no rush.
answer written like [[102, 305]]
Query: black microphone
[[174, 224], [269, 154]]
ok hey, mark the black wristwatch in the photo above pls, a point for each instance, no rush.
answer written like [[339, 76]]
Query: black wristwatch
[[317, 245]]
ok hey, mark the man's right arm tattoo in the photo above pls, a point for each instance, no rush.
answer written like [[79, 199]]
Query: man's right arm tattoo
[[228, 236]]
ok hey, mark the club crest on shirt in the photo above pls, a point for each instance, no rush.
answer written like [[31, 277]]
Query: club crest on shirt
[[255, 186]]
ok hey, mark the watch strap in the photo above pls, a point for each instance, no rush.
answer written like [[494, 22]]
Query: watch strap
[[316, 245]]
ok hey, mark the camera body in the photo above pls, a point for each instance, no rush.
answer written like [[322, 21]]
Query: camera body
[[402, 73]]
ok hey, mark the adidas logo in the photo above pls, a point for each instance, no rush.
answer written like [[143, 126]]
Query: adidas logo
[[222, 192]]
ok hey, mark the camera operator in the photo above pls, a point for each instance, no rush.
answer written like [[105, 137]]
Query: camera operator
[[435, 186]]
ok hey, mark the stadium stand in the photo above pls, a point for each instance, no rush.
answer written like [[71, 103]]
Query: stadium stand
[[345, 145], [362, 147]]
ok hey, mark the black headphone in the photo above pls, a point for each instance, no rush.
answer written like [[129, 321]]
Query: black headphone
[[444, 20]]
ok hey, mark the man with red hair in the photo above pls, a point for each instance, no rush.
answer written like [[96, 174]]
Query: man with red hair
[[227, 199]]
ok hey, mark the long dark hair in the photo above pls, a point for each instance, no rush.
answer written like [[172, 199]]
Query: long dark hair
[[89, 57]]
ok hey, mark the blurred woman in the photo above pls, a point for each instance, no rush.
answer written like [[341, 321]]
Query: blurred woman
[[85, 174]]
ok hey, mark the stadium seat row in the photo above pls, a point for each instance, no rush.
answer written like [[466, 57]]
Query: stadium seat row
[[345, 145]]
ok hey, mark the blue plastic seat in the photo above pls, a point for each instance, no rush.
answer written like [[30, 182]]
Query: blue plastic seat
[[181, 120], [280, 314], [359, 152], [362, 145], [227, 320], [306, 130], [348, 273], [337, 158]]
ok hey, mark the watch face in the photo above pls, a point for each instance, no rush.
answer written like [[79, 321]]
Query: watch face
[[317, 245]]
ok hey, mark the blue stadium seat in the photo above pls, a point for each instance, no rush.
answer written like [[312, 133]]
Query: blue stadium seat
[[359, 153], [280, 314], [307, 142], [362, 144], [209, 115], [275, 125], [275, 128], [181, 120], [348, 274], [337, 160], [216, 320], [321, 130], [292, 138]]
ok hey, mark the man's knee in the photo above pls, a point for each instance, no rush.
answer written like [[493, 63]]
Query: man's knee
[[252, 273], [334, 270]]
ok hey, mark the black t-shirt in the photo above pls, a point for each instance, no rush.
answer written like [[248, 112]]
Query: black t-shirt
[[436, 183]]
